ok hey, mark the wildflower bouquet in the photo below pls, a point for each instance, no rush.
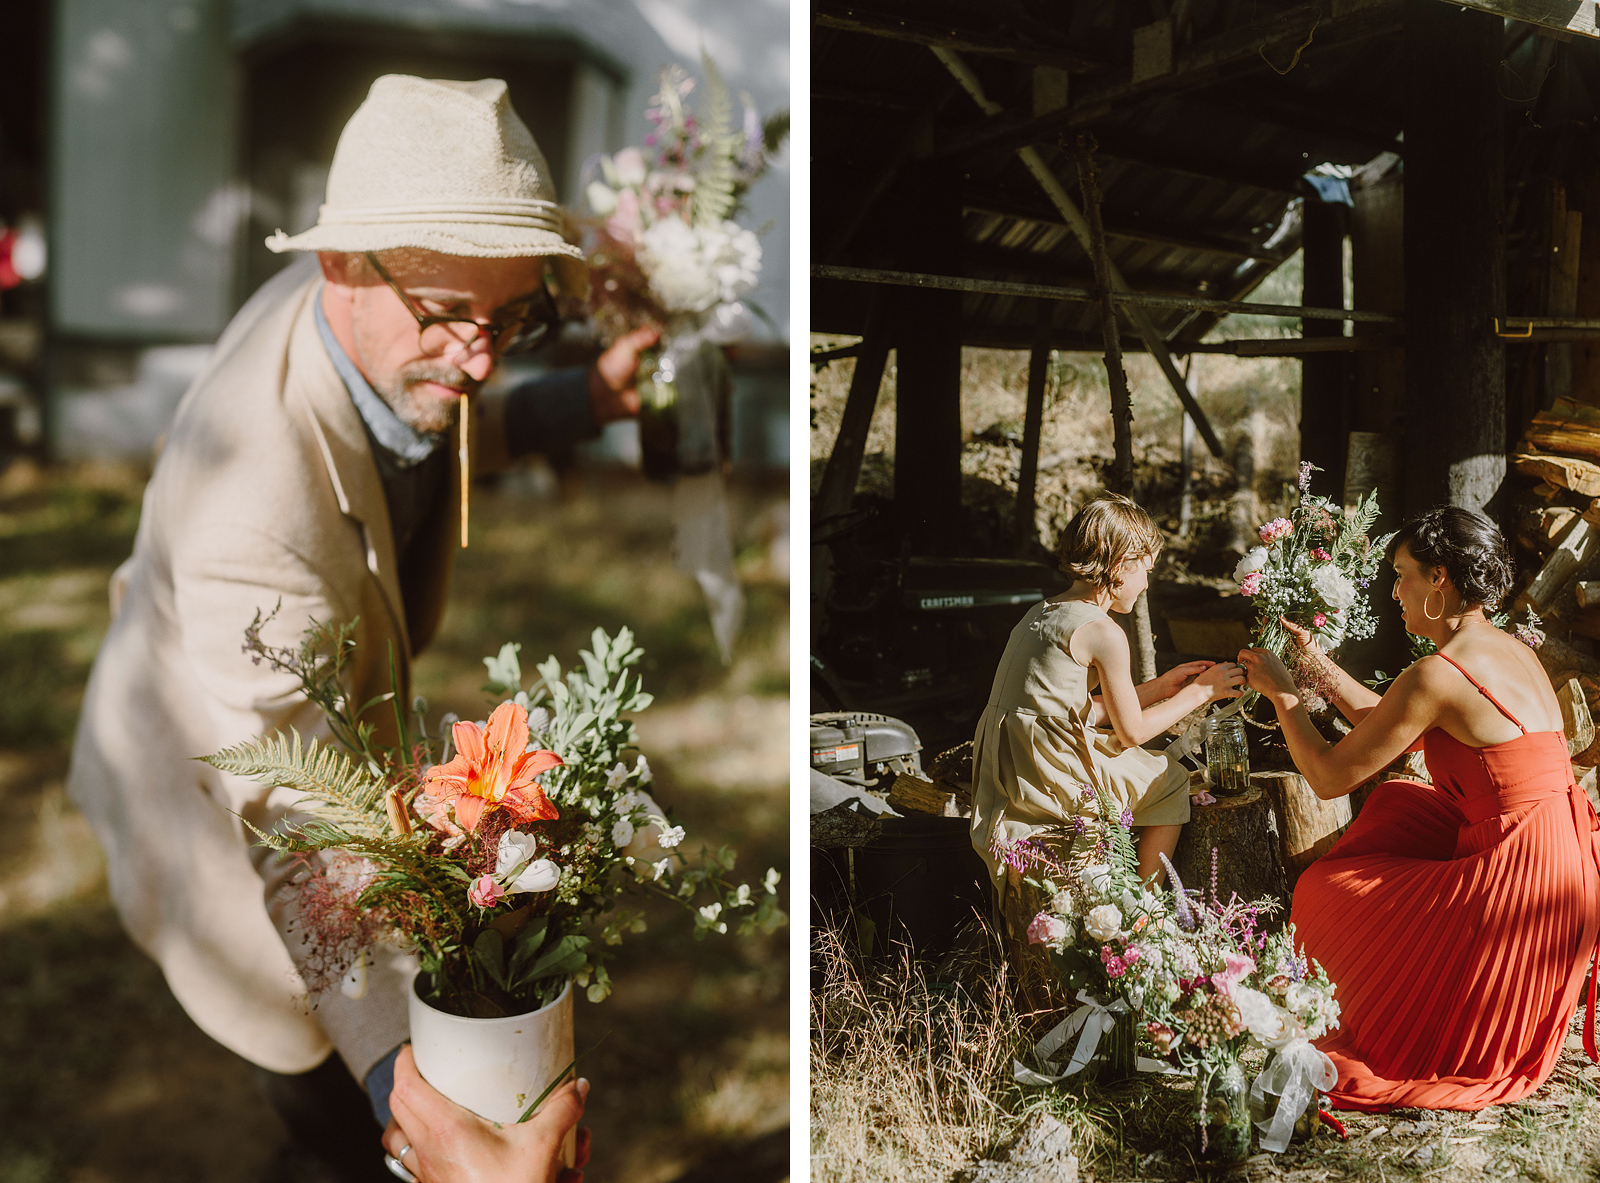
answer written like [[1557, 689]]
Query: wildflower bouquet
[[499, 851], [1194, 976], [668, 252], [1313, 568]]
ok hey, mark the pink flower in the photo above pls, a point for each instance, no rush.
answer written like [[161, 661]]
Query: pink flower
[[1321, 555], [485, 892], [1250, 584], [1046, 929], [1275, 529], [1238, 968], [1115, 966], [1320, 619]]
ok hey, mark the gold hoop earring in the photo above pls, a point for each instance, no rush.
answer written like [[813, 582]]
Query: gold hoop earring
[[1428, 597]]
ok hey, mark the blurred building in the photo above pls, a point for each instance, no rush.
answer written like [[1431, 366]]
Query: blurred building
[[180, 133]]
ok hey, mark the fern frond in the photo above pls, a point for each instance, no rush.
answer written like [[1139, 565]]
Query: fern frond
[[342, 792], [715, 188]]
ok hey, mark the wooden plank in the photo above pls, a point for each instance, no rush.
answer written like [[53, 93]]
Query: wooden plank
[[1588, 593], [1308, 826], [1580, 544], [851, 19], [1152, 51], [1569, 16], [1579, 476], [1576, 720], [1245, 48]]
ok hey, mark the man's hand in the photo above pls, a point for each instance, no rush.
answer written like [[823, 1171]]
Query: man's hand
[[611, 378], [445, 1143]]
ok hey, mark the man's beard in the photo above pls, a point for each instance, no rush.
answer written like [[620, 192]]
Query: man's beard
[[426, 413]]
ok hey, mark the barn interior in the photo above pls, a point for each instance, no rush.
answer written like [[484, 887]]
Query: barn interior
[[949, 210]]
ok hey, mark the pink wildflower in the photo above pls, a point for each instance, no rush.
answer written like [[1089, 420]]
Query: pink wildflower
[[1320, 619], [1046, 929], [485, 892], [1250, 584], [1275, 529], [1238, 968], [1115, 966], [1321, 555]]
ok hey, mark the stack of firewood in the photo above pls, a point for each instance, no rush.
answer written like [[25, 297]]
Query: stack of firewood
[[1557, 532]]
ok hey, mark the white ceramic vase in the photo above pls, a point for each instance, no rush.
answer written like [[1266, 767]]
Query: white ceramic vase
[[494, 1067]]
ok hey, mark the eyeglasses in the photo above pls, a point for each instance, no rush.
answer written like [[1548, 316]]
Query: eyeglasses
[[518, 327]]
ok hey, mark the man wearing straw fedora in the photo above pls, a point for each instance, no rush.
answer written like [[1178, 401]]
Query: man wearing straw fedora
[[309, 467]]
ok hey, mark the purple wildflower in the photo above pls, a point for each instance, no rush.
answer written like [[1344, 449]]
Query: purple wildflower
[[1126, 820], [1306, 469], [1185, 915]]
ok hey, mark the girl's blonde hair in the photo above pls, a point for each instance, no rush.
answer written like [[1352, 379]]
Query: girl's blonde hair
[[1108, 531]]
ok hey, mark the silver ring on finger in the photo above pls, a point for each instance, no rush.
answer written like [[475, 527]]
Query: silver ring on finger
[[396, 1167]]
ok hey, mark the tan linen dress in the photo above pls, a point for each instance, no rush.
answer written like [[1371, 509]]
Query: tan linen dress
[[1035, 746]]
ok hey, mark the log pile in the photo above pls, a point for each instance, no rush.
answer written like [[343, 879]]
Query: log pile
[[1557, 536]]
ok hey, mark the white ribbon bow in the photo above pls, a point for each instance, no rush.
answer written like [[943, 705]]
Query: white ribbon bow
[[1295, 1075], [1093, 1019]]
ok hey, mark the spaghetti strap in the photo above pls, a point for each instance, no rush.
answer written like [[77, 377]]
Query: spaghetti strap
[[1485, 693]]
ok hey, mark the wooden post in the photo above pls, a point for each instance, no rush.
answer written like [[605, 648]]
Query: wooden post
[[1324, 390], [926, 230], [839, 477], [1455, 431], [1142, 641], [1032, 431], [1186, 494]]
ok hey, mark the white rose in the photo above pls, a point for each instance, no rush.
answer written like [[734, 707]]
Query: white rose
[[540, 875], [621, 832], [1254, 560], [1103, 922], [1096, 879], [1061, 903], [1265, 1021], [680, 276], [1336, 591], [515, 849], [1301, 997]]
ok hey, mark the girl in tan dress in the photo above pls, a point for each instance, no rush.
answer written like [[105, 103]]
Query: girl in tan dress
[[1043, 744]]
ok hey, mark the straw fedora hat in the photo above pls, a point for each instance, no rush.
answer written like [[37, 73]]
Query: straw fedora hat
[[444, 166]]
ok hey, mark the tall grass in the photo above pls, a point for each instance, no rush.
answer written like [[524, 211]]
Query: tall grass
[[910, 1066]]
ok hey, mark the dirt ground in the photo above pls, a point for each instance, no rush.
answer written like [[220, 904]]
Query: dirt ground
[[105, 1080]]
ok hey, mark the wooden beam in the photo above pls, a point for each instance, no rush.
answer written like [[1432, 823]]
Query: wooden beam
[[1569, 16], [1244, 49], [1298, 115], [998, 287], [1187, 238], [851, 18], [1032, 431], [1131, 149], [843, 468]]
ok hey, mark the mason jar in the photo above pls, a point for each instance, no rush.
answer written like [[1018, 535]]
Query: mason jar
[[1227, 756]]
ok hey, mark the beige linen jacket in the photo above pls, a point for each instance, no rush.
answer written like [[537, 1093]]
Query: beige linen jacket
[[265, 491]]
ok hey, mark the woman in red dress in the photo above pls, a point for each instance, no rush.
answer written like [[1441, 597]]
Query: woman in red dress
[[1459, 919]]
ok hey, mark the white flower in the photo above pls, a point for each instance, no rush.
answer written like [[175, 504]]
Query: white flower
[[540, 875], [1103, 922], [1265, 1021], [1336, 591], [710, 912], [616, 776], [660, 868], [1153, 958], [1254, 560], [770, 882], [670, 836], [643, 769], [515, 849], [602, 198], [621, 832], [630, 167], [680, 276], [1061, 904], [1096, 878]]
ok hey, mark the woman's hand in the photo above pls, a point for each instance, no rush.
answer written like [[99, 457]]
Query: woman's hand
[[1175, 679], [1301, 636], [445, 1143], [1225, 679], [1268, 676]]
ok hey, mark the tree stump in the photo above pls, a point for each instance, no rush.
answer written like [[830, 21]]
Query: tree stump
[[1244, 832], [1308, 826]]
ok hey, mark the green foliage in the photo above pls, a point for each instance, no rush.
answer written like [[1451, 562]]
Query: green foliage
[[716, 187], [346, 794]]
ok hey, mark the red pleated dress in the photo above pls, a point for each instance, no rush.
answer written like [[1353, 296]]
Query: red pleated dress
[[1458, 921]]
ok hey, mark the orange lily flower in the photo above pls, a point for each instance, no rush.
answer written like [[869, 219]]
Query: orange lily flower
[[493, 769]]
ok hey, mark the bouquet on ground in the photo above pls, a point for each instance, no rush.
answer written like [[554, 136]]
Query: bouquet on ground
[[1192, 976], [1313, 568], [499, 851], [668, 251]]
